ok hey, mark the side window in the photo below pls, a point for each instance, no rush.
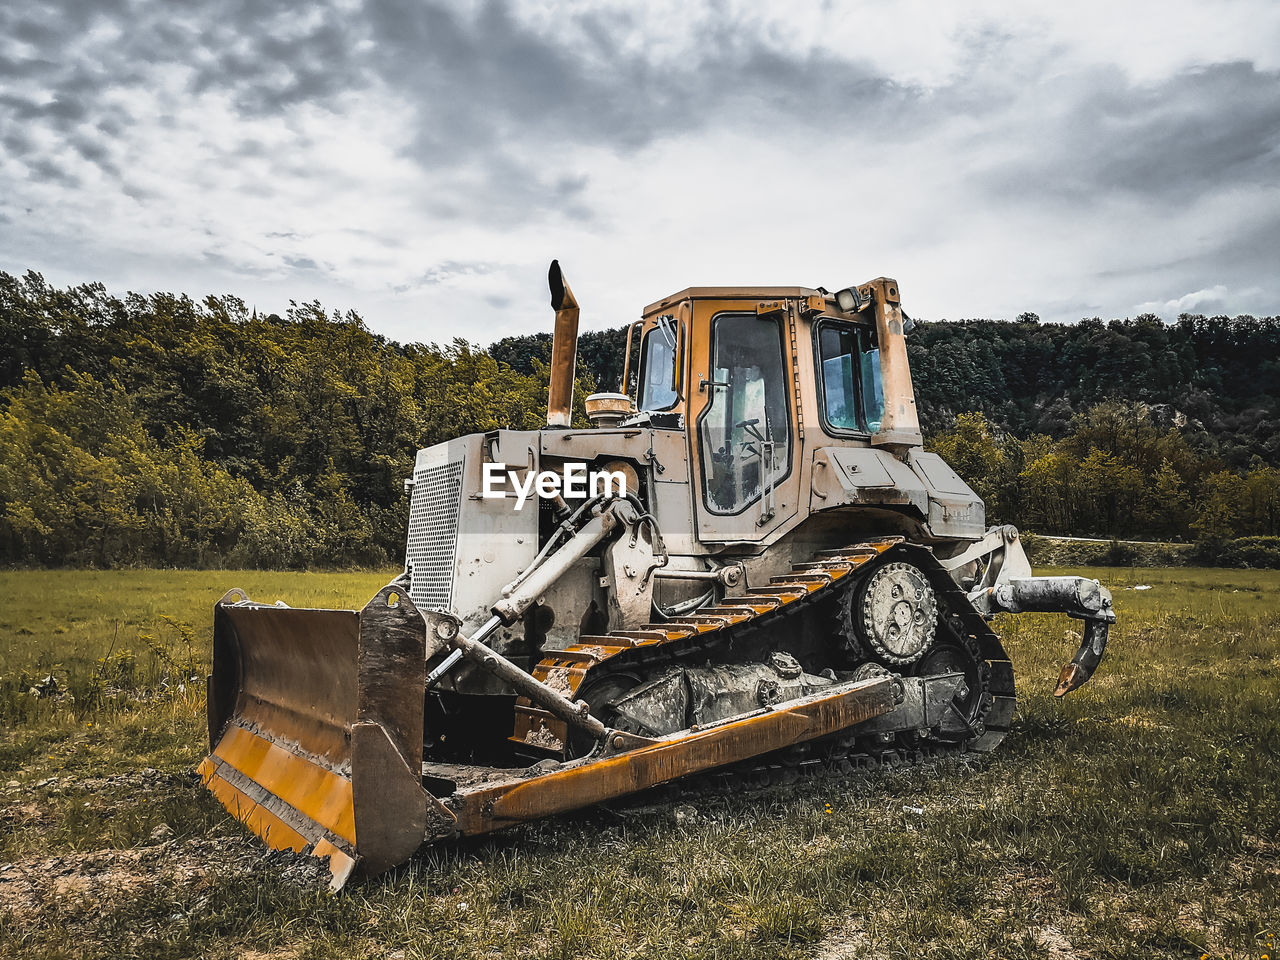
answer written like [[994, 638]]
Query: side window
[[658, 370], [745, 430], [872, 385], [852, 394]]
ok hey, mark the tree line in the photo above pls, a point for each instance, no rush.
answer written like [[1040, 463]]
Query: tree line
[[1116, 473], [159, 429]]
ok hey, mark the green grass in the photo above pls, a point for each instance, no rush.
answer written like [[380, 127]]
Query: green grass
[[1139, 817], [108, 638]]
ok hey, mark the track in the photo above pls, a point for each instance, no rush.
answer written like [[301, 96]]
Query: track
[[787, 611]]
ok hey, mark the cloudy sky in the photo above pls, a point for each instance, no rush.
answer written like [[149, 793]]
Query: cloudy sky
[[422, 162]]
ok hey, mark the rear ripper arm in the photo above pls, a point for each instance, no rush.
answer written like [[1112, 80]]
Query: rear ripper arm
[[1000, 581]]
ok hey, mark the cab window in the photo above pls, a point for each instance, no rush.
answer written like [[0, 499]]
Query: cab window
[[658, 369], [849, 370], [745, 431]]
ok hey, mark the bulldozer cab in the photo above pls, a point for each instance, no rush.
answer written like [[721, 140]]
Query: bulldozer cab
[[745, 372]]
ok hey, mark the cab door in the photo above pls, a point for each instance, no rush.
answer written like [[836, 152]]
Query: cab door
[[743, 432]]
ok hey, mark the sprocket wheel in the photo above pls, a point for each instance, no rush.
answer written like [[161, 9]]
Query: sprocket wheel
[[893, 616]]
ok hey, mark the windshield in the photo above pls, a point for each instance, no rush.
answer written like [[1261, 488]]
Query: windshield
[[658, 370], [746, 429]]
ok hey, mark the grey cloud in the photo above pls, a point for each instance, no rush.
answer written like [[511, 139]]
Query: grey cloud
[[235, 265], [498, 108], [134, 192], [57, 22], [1218, 124], [445, 271], [1197, 131], [15, 141], [482, 82], [29, 31], [65, 109], [48, 170], [20, 108], [95, 152], [265, 72], [1243, 257], [494, 98], [1239, 256], [500, 112], [1253, 247], [110, 125], [93, 79], [21, 67]]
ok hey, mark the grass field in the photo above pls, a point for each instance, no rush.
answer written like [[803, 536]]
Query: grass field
[[1140, 817]]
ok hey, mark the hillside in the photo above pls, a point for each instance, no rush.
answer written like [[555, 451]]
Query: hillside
[[164, 430]]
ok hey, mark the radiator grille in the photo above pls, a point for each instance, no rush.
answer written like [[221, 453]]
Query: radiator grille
[[433, 534]]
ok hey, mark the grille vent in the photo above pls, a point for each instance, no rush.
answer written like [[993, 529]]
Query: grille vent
[[433, 534]]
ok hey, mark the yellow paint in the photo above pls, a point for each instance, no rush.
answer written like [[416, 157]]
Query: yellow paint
[[277, 834], [236, 802], [313, 791]]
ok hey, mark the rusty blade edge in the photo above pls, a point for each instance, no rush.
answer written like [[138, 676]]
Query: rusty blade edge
[[277, 823]]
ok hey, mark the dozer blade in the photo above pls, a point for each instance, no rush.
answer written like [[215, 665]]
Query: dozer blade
[[315, 728]]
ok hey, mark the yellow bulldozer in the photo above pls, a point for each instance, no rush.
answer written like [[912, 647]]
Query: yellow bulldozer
[[747, 559]]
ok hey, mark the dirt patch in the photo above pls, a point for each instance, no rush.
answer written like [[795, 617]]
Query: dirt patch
[[846, 941], [38, 881], [147, 780], [1053, 942], [23, 816], [1026, 884], [104, 878]]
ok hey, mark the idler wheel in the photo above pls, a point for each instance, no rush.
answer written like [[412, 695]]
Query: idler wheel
[[896, 614]]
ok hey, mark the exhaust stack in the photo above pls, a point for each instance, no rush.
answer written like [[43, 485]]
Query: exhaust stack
[[900, 428], [564, 349]]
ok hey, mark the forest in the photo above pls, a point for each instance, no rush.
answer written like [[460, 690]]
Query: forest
[[167, 431]]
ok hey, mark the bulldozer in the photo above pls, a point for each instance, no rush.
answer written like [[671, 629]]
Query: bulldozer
[[746, 561]]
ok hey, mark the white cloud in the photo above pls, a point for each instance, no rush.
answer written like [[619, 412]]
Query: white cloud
[[1198, 301]]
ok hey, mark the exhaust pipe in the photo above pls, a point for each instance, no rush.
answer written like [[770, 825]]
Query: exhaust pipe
[[900, 428], [564, 349]]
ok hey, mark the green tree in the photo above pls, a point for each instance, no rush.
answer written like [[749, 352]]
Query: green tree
[[1221, 507], [1167, 505], [975, 452]]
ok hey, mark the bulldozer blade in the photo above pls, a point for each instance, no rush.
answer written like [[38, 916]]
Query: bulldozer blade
[[315, 729]]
